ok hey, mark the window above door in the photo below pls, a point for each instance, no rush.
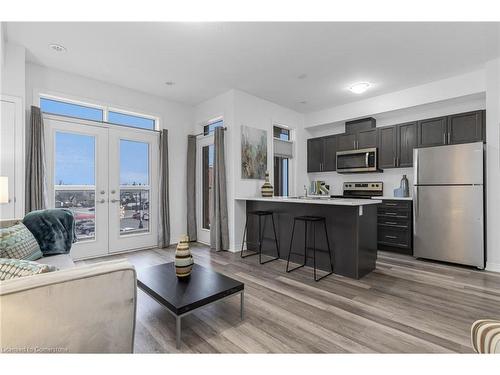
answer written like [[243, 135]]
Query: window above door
[[60, 106]]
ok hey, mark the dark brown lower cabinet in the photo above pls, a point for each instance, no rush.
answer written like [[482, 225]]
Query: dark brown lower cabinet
[[395, 226]]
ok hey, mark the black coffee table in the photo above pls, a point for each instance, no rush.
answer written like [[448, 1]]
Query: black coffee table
[[183, 296]]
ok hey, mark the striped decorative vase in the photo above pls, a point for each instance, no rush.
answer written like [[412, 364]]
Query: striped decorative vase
[[267, 189], [183, 258]]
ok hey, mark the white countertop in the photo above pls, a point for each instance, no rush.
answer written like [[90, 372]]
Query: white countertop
[[394, 198], [326, 200]]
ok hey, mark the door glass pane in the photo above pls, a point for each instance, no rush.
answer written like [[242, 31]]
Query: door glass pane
[[134, 211], [208, 167], [134, 163], [75, 159], [134, 173], [82, 204], [74, 180]]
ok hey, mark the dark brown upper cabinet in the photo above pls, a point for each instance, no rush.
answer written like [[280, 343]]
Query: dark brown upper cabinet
[[406, 142], [358, 140], [322, 154], [330, 153], [432, 132], [465, 127], [362, 124], [366, 139], [314, 154], [387, 147], [346, 142]]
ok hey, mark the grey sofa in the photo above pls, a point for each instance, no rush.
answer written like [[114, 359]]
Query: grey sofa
[[77, 309]]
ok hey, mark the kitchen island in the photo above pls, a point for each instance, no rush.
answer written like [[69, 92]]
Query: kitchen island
[[351, 226]]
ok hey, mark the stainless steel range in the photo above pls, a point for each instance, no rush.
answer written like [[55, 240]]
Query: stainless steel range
[[361, 190]]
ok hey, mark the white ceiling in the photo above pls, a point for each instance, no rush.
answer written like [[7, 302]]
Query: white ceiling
[[263, 59]]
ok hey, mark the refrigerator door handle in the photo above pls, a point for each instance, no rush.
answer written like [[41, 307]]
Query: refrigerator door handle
[[415, 199], [415, 161]]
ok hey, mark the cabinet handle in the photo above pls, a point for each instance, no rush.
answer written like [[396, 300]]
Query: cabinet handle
[[395, 162], [390, 223], [449, 138], [354, 146], [399, 163], [444, 138], [391, 204], [393, 237]]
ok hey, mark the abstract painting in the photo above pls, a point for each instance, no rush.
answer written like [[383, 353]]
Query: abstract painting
[[253, 153]]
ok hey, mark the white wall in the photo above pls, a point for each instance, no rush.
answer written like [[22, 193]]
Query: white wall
[[258, 113], [177, 118], [454, 87], [2, 50], [241, 109], [493, 164], [392, 177], [13, 80]]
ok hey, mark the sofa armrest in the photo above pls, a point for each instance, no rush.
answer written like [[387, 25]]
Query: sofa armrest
[[87, 309]]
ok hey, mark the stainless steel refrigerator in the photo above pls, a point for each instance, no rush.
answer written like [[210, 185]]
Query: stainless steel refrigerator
[[448, 205]]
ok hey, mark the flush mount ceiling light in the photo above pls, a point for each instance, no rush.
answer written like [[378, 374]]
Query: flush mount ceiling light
[[360, 87], [169, 83], [57, 47]]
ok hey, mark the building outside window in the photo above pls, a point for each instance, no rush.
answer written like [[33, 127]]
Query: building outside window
[[283, 148]]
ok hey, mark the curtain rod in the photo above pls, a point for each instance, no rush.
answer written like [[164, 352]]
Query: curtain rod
[[203, 133]]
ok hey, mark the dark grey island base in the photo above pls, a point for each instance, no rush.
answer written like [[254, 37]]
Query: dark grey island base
[[352, 231]]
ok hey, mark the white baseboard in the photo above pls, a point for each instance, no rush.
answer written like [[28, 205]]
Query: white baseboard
[[493, 267]]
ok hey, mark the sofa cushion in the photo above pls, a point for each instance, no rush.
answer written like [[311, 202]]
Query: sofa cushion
[[18, 242], [14, 268], [61, 262]]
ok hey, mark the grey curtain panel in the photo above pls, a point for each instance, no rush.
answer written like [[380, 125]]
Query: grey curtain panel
[[219, 227], [191, 188], [36, 192], [164, 193]]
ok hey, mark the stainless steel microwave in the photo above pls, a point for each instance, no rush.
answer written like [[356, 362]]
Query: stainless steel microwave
[[352, 161]]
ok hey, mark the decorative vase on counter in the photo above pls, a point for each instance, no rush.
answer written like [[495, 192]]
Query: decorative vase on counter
[[267, 189], [405, 186], [183, 258]]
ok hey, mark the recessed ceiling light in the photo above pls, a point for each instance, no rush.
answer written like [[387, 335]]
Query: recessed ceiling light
[[170, 83], [302, 76], [360, 87], [57, 47]]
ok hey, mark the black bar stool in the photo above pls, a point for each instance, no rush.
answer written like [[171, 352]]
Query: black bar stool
[[260, 215], [313, 220]]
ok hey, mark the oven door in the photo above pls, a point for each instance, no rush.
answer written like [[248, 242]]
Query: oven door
[[364, 160]]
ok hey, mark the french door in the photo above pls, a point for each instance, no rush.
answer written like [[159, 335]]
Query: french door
[[108, 177]]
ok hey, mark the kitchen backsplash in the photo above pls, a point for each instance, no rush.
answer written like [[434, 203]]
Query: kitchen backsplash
[[390, 177]]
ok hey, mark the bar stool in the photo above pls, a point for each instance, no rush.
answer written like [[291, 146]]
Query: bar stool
[[313, 220], [260, 215]]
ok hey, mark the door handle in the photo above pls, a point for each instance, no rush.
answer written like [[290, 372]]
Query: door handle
[[102, 201]]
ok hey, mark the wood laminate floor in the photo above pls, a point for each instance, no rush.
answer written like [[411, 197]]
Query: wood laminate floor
[[404, 306]]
